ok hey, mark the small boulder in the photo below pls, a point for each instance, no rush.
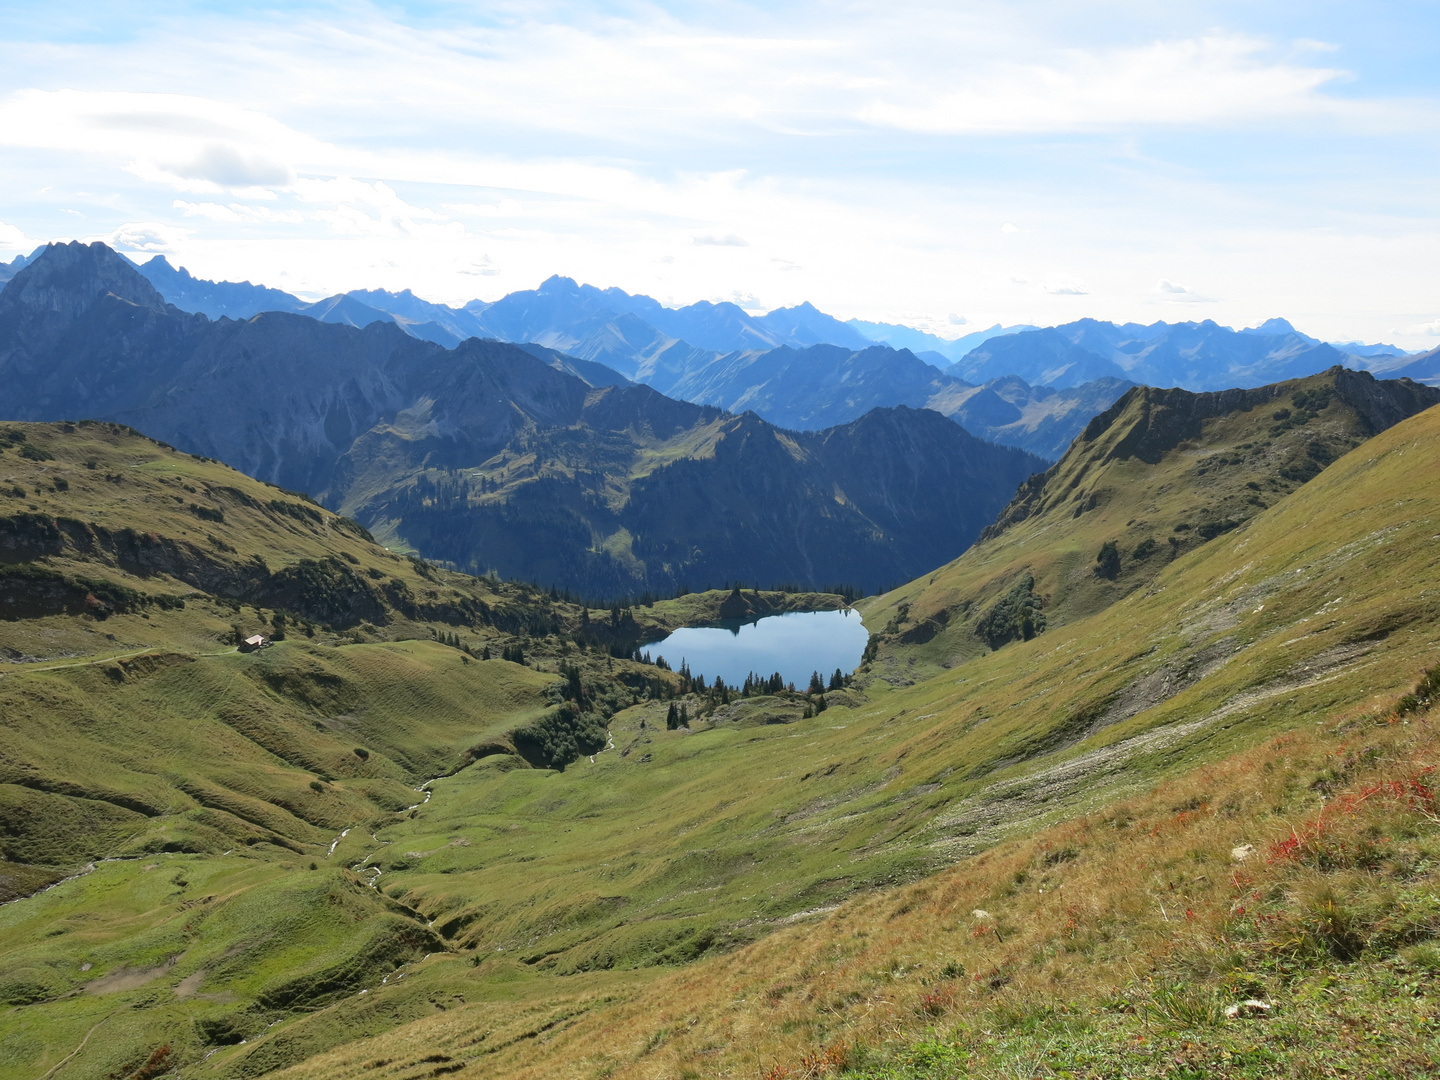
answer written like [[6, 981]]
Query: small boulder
[[1249, 1009]]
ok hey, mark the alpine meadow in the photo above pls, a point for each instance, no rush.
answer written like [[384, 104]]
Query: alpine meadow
[[669, 542]]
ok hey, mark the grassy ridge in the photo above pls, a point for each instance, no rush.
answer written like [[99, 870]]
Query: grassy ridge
[[204, 755], [560, 901], [1161, 474]]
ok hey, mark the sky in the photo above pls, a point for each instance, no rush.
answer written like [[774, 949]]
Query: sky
[[943, 165]]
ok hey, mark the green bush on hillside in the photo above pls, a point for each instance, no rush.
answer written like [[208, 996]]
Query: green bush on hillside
[[1016, 616], [1425, 694], [1107, 562]]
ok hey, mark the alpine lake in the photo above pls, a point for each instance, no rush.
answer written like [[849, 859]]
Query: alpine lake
[[795, 644]]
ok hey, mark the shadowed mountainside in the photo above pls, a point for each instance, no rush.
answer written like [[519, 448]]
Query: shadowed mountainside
[[493, 457]]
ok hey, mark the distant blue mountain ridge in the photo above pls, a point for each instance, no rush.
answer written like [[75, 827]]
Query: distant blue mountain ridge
[[797, 367], [605, 325], [1195, 356]]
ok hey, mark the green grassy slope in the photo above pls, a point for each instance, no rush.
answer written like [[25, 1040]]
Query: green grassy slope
[[1239, 638], [556, 897], [214, 808], [1159, 474]]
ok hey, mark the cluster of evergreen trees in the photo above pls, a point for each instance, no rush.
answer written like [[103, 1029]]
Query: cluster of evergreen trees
[[1017, 616], [758, 684], [561, 737], [816, 692]]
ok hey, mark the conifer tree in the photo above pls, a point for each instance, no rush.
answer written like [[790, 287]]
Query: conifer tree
[[837, 681]]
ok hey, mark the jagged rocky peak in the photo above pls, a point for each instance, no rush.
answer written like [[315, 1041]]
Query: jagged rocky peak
[[66, 279], [1271, 326]]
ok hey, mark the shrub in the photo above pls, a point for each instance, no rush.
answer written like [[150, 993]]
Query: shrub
[[1426, 692], [1208, 530], [1018, 615], [1107, 562]]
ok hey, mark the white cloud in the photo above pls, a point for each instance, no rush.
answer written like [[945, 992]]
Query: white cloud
[[728, 240], [13, 238], [238, 212], [745, 300], [1173, 292], [193, 143], [484, 266], [229, 167], [957, 320], [1424, 329], [357, 208], [1207, 80], [1009, 228], [503, 208], [213, 211], [1066, 286], [147, 236]]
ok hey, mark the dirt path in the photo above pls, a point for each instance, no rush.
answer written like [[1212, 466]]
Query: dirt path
[[26, 669], [65, 1060]]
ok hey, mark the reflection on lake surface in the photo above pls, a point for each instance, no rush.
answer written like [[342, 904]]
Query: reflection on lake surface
[[794, 644]]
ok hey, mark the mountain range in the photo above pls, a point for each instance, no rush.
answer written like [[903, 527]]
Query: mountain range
[[582, 320], [1194, 356], [675, 349], [495, 457], [785, 365]]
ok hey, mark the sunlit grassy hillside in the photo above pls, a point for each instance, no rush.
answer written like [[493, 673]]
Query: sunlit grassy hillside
[[1159, 474], [538, 916], [1120, 762], [213, 802]]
